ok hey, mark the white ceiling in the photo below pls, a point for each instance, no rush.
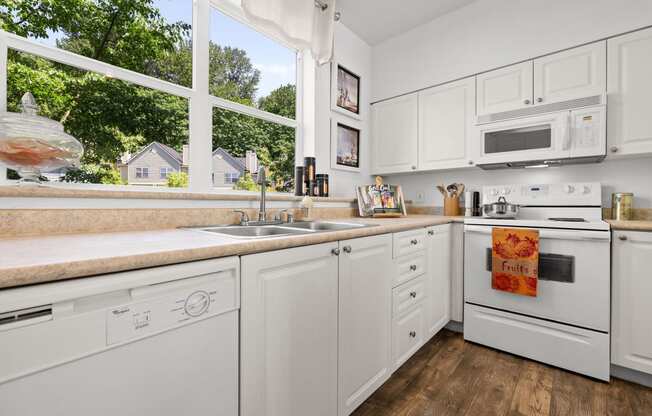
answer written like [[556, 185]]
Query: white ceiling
[[377, 20]]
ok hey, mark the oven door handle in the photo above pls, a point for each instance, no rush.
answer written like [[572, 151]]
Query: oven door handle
[[584, 235]]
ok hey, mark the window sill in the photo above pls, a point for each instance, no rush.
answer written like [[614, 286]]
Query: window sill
[[144, 192]]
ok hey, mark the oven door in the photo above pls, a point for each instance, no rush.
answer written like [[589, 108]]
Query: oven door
[[531, 138], [574, 277]]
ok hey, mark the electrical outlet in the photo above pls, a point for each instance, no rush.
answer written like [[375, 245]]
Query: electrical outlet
[[420, 196]]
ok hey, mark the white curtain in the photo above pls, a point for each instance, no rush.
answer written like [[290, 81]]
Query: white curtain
[[298, 22]]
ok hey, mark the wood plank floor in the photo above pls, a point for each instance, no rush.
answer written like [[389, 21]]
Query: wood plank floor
[[449, 376]]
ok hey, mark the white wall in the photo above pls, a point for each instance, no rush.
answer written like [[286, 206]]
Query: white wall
[[625, 175], [354, 54], [492, 33]]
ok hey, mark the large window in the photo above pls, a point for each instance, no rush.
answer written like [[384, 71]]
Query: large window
[[119, 76]]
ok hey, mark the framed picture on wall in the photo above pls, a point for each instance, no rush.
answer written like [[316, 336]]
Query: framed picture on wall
[[345, 146], [345, 91]]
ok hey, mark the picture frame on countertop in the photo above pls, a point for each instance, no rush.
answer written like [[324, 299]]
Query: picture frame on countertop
[[346, 139], [345, 91]]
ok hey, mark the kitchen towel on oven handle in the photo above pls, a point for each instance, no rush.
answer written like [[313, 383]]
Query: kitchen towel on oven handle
[[515, 260]]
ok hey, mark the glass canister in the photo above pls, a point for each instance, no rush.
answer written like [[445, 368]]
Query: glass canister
[[621, 206]]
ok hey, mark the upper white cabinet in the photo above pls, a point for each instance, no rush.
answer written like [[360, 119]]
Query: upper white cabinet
[[438, 279], [394, 144], [575, 73], [365, 308], [446, 116], [629, 127], [631, 320], [289, 332], [505, 89]]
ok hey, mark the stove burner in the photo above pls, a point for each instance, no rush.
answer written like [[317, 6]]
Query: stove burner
[[568, 219]]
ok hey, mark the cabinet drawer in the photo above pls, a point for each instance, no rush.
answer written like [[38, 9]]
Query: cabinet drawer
[[407, 295], [408, 242], [407, 335], [409, 267]]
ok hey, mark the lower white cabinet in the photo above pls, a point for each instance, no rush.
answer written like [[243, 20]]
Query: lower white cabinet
[[365, 276], [437, 279], [407, 335], [631, 319], [457, 272], [289, 329]]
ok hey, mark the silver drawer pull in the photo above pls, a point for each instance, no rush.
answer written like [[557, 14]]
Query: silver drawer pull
[[431, 232], [413, 334], [347, 249], [335, 251], [413, 294], [414, 242], [622, 237], [413, 267]]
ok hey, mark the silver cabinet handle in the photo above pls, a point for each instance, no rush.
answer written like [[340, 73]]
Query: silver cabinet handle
[[539, 100], [347, 249], [526, 102], [413, 334], [414, 167], [613, 149], [622, 237], [413, 294], [431, 232], [414, 242], [470, 162], [413, 267], [335, 251]]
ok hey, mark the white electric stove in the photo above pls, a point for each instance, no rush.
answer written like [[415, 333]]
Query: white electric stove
[[567, 323]]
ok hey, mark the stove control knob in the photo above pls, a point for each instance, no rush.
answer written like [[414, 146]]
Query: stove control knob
[[569, 189], [586, 190], [507, 191], [494, 192]]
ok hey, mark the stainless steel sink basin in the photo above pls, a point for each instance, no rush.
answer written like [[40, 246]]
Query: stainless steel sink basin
[[325, 225], [280, 230], [254, 231]]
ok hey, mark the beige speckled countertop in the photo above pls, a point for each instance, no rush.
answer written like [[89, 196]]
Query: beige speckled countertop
[[33, 260], [634, 225]]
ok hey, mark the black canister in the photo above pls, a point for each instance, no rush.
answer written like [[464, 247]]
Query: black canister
[[309, 174], [322, 184], [299, 181], [475, 206]]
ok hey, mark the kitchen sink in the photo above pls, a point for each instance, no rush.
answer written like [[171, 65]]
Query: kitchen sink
[[280, 230], [326, 225], [254, 231]]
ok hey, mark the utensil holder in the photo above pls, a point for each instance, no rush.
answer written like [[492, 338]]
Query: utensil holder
[[452, 206]]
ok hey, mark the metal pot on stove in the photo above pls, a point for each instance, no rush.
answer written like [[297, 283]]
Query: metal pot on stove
[[501, 209]]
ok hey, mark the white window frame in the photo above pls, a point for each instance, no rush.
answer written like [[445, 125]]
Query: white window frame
[[200, 102], [164, 172], [231, 176], [144, 172]]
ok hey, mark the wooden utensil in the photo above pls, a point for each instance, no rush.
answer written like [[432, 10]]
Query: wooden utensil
[[442, 190]]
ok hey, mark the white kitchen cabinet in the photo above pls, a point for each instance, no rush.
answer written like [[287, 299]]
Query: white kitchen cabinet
[[457, 272], [631, 320], [629, 88], [365, 275], [289, 330], [394, 131], [407, 335], [505, 89], [446, 118], [438, 279], [574, 73]]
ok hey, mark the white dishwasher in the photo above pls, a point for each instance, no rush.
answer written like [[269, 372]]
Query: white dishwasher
[[160, 341]]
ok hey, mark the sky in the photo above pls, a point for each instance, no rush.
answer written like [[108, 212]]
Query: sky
[[277, 64]]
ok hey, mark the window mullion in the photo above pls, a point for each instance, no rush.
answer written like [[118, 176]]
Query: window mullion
[[200, 109]]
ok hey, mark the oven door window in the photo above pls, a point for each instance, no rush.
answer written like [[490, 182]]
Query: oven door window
[[552, 267], [518, 139]]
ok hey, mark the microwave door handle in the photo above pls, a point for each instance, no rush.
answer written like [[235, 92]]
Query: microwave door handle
[[566, 133]]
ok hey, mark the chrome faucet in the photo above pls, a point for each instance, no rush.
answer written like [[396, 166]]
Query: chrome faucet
[[262, 181]]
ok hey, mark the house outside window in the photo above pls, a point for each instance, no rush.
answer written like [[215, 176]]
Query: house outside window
[[142, 173], [165, 172], [230, 177], [252, 97]]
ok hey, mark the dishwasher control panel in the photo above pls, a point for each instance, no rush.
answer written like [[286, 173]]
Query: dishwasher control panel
[[157, 308]]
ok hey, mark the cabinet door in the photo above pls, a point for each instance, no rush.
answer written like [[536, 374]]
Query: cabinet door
[[394, 140], [505, 89], [364, 319], [575, 73], [438, 279], [289, 332], [629, 88], [631, 338], [457, 272], [445, 121]]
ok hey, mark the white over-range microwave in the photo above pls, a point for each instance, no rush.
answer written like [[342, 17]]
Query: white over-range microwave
[[555, 134]]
